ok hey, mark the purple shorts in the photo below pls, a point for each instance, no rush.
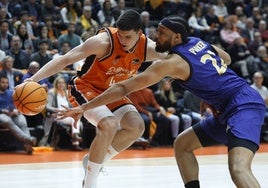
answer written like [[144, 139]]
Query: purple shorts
[[243, 117]]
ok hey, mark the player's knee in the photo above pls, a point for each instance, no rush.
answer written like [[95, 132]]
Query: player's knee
[[178, 145], [108, 126], [136, 128], [182, 144], [237, 170]]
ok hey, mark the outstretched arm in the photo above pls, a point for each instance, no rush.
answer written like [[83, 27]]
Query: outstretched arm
[[172, 67], [150, 76]]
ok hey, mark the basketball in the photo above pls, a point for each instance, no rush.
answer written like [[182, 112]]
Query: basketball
[[30, 98]]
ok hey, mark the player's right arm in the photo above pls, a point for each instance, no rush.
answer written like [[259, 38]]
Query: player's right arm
[[98, 45]]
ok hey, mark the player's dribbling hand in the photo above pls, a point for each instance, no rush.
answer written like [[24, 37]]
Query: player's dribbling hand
[[76, 113]]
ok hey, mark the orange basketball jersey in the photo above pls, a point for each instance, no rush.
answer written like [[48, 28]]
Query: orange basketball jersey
[[96, 75]]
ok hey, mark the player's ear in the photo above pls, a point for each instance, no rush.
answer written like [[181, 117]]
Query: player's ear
[[178, 38]]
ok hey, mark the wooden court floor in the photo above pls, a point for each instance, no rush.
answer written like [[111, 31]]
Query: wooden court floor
[[133, 168]]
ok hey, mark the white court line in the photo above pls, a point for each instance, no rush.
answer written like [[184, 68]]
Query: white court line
[[126, 173]]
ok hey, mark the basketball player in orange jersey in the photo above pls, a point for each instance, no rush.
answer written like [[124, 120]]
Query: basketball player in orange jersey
[[112, 55]]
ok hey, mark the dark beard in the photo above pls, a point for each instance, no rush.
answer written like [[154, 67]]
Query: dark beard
[[163, 48]]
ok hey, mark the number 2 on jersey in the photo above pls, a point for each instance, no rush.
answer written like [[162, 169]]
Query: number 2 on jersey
[[219, 68]]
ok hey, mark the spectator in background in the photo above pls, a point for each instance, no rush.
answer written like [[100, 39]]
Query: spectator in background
[[228, 34], [42, 56], [119, 9], [232, 4], [95, 5], [14, 76], [6, 4], [58, 96], [242, 59], [43, 35], [240, 18], [24, 19], [50, 10], [263, 91], [194, 4], [145, 17], [261, 63], [70, 37], [192, 104], [5, 35], [70, 12], [33, 68], [255, 43], [248, 32], [33, 17], [167, 99], [11, 119], [105, 15], [33, 8], [26, 40], [86, 19], [214, 23], [199, 24], [256, 16], [220, 9], [113, 3], [87, 34], [258, 85], [21, 58], [262, 28], [4, 16], [53, 32], [248, 8], [150, 110]]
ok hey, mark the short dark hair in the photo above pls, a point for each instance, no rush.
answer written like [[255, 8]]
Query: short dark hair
[[129, 20]]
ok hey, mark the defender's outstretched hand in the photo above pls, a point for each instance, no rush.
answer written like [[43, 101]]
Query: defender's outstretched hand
[[76, 113]]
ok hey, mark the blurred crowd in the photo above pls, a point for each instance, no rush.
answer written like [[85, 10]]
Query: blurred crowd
[[33, 32]]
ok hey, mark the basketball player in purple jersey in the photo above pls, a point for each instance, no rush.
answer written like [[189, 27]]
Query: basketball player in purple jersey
[[202, 69]]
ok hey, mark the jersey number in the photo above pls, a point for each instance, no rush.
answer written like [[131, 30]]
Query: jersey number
[[219, 68]]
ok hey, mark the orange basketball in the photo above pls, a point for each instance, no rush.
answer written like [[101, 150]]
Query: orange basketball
[[30, 98]]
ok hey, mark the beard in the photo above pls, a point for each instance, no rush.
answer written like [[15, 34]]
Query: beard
[[163, 47]]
